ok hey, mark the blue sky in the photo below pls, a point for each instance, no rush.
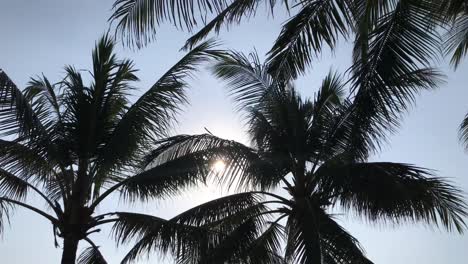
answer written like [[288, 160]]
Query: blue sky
[[43, 36]]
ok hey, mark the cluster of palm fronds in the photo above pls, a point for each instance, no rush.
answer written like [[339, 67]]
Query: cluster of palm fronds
[[405, 32], [75, 144]]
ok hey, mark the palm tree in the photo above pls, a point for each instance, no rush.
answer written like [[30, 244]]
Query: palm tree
[[74, 144], [318, 151], [406, 25]]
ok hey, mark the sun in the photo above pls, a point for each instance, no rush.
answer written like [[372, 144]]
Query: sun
[[218, 166]]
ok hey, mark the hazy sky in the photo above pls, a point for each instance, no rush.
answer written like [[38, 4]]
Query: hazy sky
[[43, 36]]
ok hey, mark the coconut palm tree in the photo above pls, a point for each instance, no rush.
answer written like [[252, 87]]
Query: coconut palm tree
[[318, 151], [313, 26], [74, 144]]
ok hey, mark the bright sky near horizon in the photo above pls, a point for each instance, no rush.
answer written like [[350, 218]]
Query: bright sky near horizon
[[43, 36]]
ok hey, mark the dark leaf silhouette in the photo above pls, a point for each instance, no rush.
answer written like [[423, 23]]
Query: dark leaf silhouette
[[73, 144]]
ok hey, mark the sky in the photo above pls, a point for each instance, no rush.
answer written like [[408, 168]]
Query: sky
[[41, 37]]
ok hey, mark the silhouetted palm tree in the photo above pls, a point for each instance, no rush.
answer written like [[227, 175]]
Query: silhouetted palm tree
[[318, 151], [74, 144]]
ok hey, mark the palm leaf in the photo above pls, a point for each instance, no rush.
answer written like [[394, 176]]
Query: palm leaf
[[24, 161], [455, 18], [152, 114], [233, 12], [91, 255], [464, 131], [188, 234], [43, 99], [457, 40], [338, 246], [219, 209], [29, 166], [393, 192], [166, 179], [5, 212], [12, 186], [230, 248], [156, 234], [247, 79], [390, 68], [324, 117], [245, 168], [266, 248], [304, 35], [137, 19], [17, 117]]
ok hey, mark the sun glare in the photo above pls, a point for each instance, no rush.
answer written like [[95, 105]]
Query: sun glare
[[219, 166]]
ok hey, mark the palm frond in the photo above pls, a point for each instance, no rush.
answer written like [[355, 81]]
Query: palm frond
[[137, 20], [92, 113], [12, 186], [394, 192], [215, 211], [110, 90], [399, 43], [183, 161], [323, 124], [303, 36], [457, 40], [112, 79], [338, 246], [391, 65], [280, 127], [42, 97], [266, 248], [454, 17], [245, 168], [24, 161], [166, 179], [156, 234], [190, 162], [232, 13], [5, 212], [330, 93], [28, 165], [152, 115], [231, 247], [17, 116], [78, 109], [464, 131], [91, 255], [188, 235], [6, 204], [247, 79], [225, 228]]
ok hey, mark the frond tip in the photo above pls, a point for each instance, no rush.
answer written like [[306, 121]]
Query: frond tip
[[91, 255], [463, 133]]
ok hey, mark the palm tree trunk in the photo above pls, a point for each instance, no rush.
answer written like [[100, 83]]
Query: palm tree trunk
[[310, 233], [312, 243], [70, 247]]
